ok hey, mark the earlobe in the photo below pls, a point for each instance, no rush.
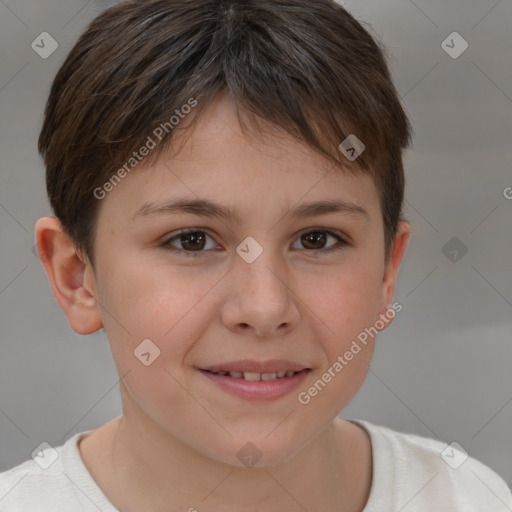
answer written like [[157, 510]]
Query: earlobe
[[66, 272], [391, 270]]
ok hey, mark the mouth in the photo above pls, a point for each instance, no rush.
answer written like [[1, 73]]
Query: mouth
[[256, 380], [255, 376]]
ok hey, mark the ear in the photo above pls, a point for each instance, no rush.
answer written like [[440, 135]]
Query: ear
[[391, 269], [71, 276]]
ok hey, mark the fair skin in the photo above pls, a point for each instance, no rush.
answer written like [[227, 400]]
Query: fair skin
[[175, 446]]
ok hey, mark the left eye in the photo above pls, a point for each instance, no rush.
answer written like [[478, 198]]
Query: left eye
[[320, 237], [194, 241]]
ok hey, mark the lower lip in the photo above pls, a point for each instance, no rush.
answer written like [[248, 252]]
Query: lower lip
[[257, 389]]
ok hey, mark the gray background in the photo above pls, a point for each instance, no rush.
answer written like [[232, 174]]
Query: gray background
[[442, 370]]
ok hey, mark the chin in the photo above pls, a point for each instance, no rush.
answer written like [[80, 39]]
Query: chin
[[258, 453]]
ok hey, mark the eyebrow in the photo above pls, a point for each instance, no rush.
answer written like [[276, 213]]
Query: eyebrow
[[207, 208]]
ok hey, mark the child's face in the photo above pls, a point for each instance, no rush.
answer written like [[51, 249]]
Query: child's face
[[294, 302]]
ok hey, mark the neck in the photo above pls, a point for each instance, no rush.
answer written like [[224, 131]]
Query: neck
[[144, 467], [310, 480]]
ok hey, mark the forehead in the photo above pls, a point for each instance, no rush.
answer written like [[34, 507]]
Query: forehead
[[216, 160], [220, 128]]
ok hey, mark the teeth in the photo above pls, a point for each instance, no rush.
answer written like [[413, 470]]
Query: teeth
[[253, 376]]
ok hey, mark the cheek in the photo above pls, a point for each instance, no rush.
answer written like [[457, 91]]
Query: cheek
[[152, 297], [160, 305], [164, 305], [344, 300], [344, 307]]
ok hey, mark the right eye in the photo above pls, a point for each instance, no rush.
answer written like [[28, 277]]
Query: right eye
[[191, 241]]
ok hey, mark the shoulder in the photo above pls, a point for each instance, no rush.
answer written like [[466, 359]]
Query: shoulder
[[22, 486], [423, 472], [53, 480]]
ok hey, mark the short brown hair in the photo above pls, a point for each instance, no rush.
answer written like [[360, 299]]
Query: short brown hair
[[307, 66]]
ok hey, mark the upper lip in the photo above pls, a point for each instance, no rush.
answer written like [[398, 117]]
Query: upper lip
[[248, 365]]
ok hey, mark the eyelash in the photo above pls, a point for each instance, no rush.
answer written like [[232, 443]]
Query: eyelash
[[342, 243]]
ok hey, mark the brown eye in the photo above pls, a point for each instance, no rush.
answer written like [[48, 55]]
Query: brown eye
[[189, 241], [316, 240], [194, 242]]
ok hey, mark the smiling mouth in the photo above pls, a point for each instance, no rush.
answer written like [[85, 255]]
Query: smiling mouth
[[254, 376]]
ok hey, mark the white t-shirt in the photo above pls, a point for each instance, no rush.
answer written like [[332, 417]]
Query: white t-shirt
[[410, 474]]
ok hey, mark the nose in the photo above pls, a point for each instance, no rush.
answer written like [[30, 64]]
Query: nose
[[261, 298]]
